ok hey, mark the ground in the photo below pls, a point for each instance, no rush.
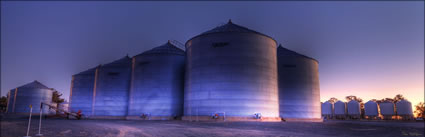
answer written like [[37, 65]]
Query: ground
[[125, 128]]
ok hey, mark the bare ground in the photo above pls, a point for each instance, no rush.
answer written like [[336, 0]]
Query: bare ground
[[125, 128]]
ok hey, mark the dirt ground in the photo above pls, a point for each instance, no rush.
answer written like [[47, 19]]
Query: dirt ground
[[126, 128]]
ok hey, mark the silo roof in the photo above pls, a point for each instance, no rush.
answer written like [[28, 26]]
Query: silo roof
[[230, 27], [281, 51], [123, 61], [167, 48], [89, 71], [34, 84]]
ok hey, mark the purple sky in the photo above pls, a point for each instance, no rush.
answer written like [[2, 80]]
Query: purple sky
[[368, 49]]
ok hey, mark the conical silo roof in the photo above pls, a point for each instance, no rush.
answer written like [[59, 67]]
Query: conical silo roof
[[230, 27], [35, 84], [89, 71], [123, 61], [167, 48], [284, 52]]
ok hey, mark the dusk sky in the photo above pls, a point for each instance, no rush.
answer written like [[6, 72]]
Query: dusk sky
[[368, 49]]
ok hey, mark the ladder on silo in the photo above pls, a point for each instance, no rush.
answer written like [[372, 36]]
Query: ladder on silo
[[177, 44]]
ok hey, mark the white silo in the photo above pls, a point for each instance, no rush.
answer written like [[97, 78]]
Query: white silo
[[371, 109], [111, 89], [387, 109], [327, 110], [299, 90], [33, 94], [353, 109], [157, 86], [231, 71], [340, 110], [404, 109], [81, 94]]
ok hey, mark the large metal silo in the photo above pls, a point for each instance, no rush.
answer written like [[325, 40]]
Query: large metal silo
[[299, 90], [371, 109], [340, 110], [404, 109], [157, 84], [387, 109], [30, 94], [231, 71], [112, 89], [82, 87]]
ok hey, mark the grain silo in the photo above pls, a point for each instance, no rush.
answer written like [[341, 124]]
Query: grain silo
[[10, 99], [231, 71], [112, 89], [340, 110], [387, 109], [299, 91], [327, 110], [371, 109], [81, 95], [157, 83], [404, 109], [353, 109], [30, 94]]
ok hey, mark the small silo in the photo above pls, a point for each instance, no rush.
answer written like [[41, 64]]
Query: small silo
[[157, 83], [231, 71], [299, 91], [340, 110], [327, 110], [371, 109], [387, 109], [112, 89], [404, 109], [81, 95], [353, 109], [30, 94]]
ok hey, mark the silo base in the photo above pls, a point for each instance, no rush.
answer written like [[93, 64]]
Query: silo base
[[231, 118], [303, 119], [106, 117], [152, 118]]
